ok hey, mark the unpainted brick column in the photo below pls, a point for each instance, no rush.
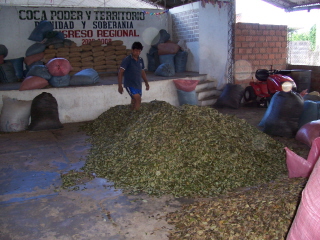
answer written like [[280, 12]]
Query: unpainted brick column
[[258, 47]]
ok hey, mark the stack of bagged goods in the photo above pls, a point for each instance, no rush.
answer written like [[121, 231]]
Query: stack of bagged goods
[[8, 72], [110, 57], [63, 52], [49, 53], [75, 58], [99, 63], [115, 53], [120, 51], [86, 57], [34, 55], [165, 57]]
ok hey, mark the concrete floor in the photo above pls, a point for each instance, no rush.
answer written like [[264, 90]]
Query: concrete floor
[[33, 206]]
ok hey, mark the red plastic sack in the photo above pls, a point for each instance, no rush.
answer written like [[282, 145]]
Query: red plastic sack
[[59, 67], [185, 85], [33, 82], [308, 132], [300, 167], [33, 58], [297, 166], [168, 48], [306, 224]]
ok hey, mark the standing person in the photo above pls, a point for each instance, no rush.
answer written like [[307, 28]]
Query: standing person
[[132, 69]]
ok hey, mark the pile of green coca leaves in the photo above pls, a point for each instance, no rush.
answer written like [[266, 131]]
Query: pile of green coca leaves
[[188, 151]]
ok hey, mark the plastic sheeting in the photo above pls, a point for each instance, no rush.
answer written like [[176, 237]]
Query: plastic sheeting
[[306, 224], [300, 167]]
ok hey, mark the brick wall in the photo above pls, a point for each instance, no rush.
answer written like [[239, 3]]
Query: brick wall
[[258, 46], [185, 26]]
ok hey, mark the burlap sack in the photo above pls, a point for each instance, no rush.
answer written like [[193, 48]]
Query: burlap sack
[[97, 54], [120, 57], [99, 63], [73, 44], [50, 50], [109, 48], [100, 67], [99, 59], [86, 54], [115, 43], [87, 64], [86, 47], [111, 62], [121, 52], [111, 66], [74, 59], [74, 54], [110, 57], [96, 43], [122, 47], [75, 49], [48, 56], [76, 69], [114, 69], [97, 49], [87, 59], [63, 49], [76, 64], [62, 55]]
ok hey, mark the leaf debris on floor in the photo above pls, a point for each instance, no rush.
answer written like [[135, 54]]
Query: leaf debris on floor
[[264, 212]]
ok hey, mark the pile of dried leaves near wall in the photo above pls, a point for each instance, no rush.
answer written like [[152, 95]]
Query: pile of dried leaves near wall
[[188, 151], [265, 212]]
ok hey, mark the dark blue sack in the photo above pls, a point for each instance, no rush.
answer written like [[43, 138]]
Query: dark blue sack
[[40, 30], [60, 81], [165, 70], [190, 98]]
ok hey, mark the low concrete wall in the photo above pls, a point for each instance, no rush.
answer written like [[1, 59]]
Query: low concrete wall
[[85, 103]]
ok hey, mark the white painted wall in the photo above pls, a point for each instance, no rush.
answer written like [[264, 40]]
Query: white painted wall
[[209, 55], [15, 28], [213, 40]]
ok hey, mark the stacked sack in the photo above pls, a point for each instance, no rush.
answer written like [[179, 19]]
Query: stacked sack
[[75, 58], [165, 57], [95, 55], [9, 69], [115, 52]]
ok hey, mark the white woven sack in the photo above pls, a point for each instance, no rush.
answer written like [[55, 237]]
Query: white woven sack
[[15, 115]]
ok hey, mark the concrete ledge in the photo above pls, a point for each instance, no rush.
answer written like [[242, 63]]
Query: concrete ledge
[[85, 103]]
